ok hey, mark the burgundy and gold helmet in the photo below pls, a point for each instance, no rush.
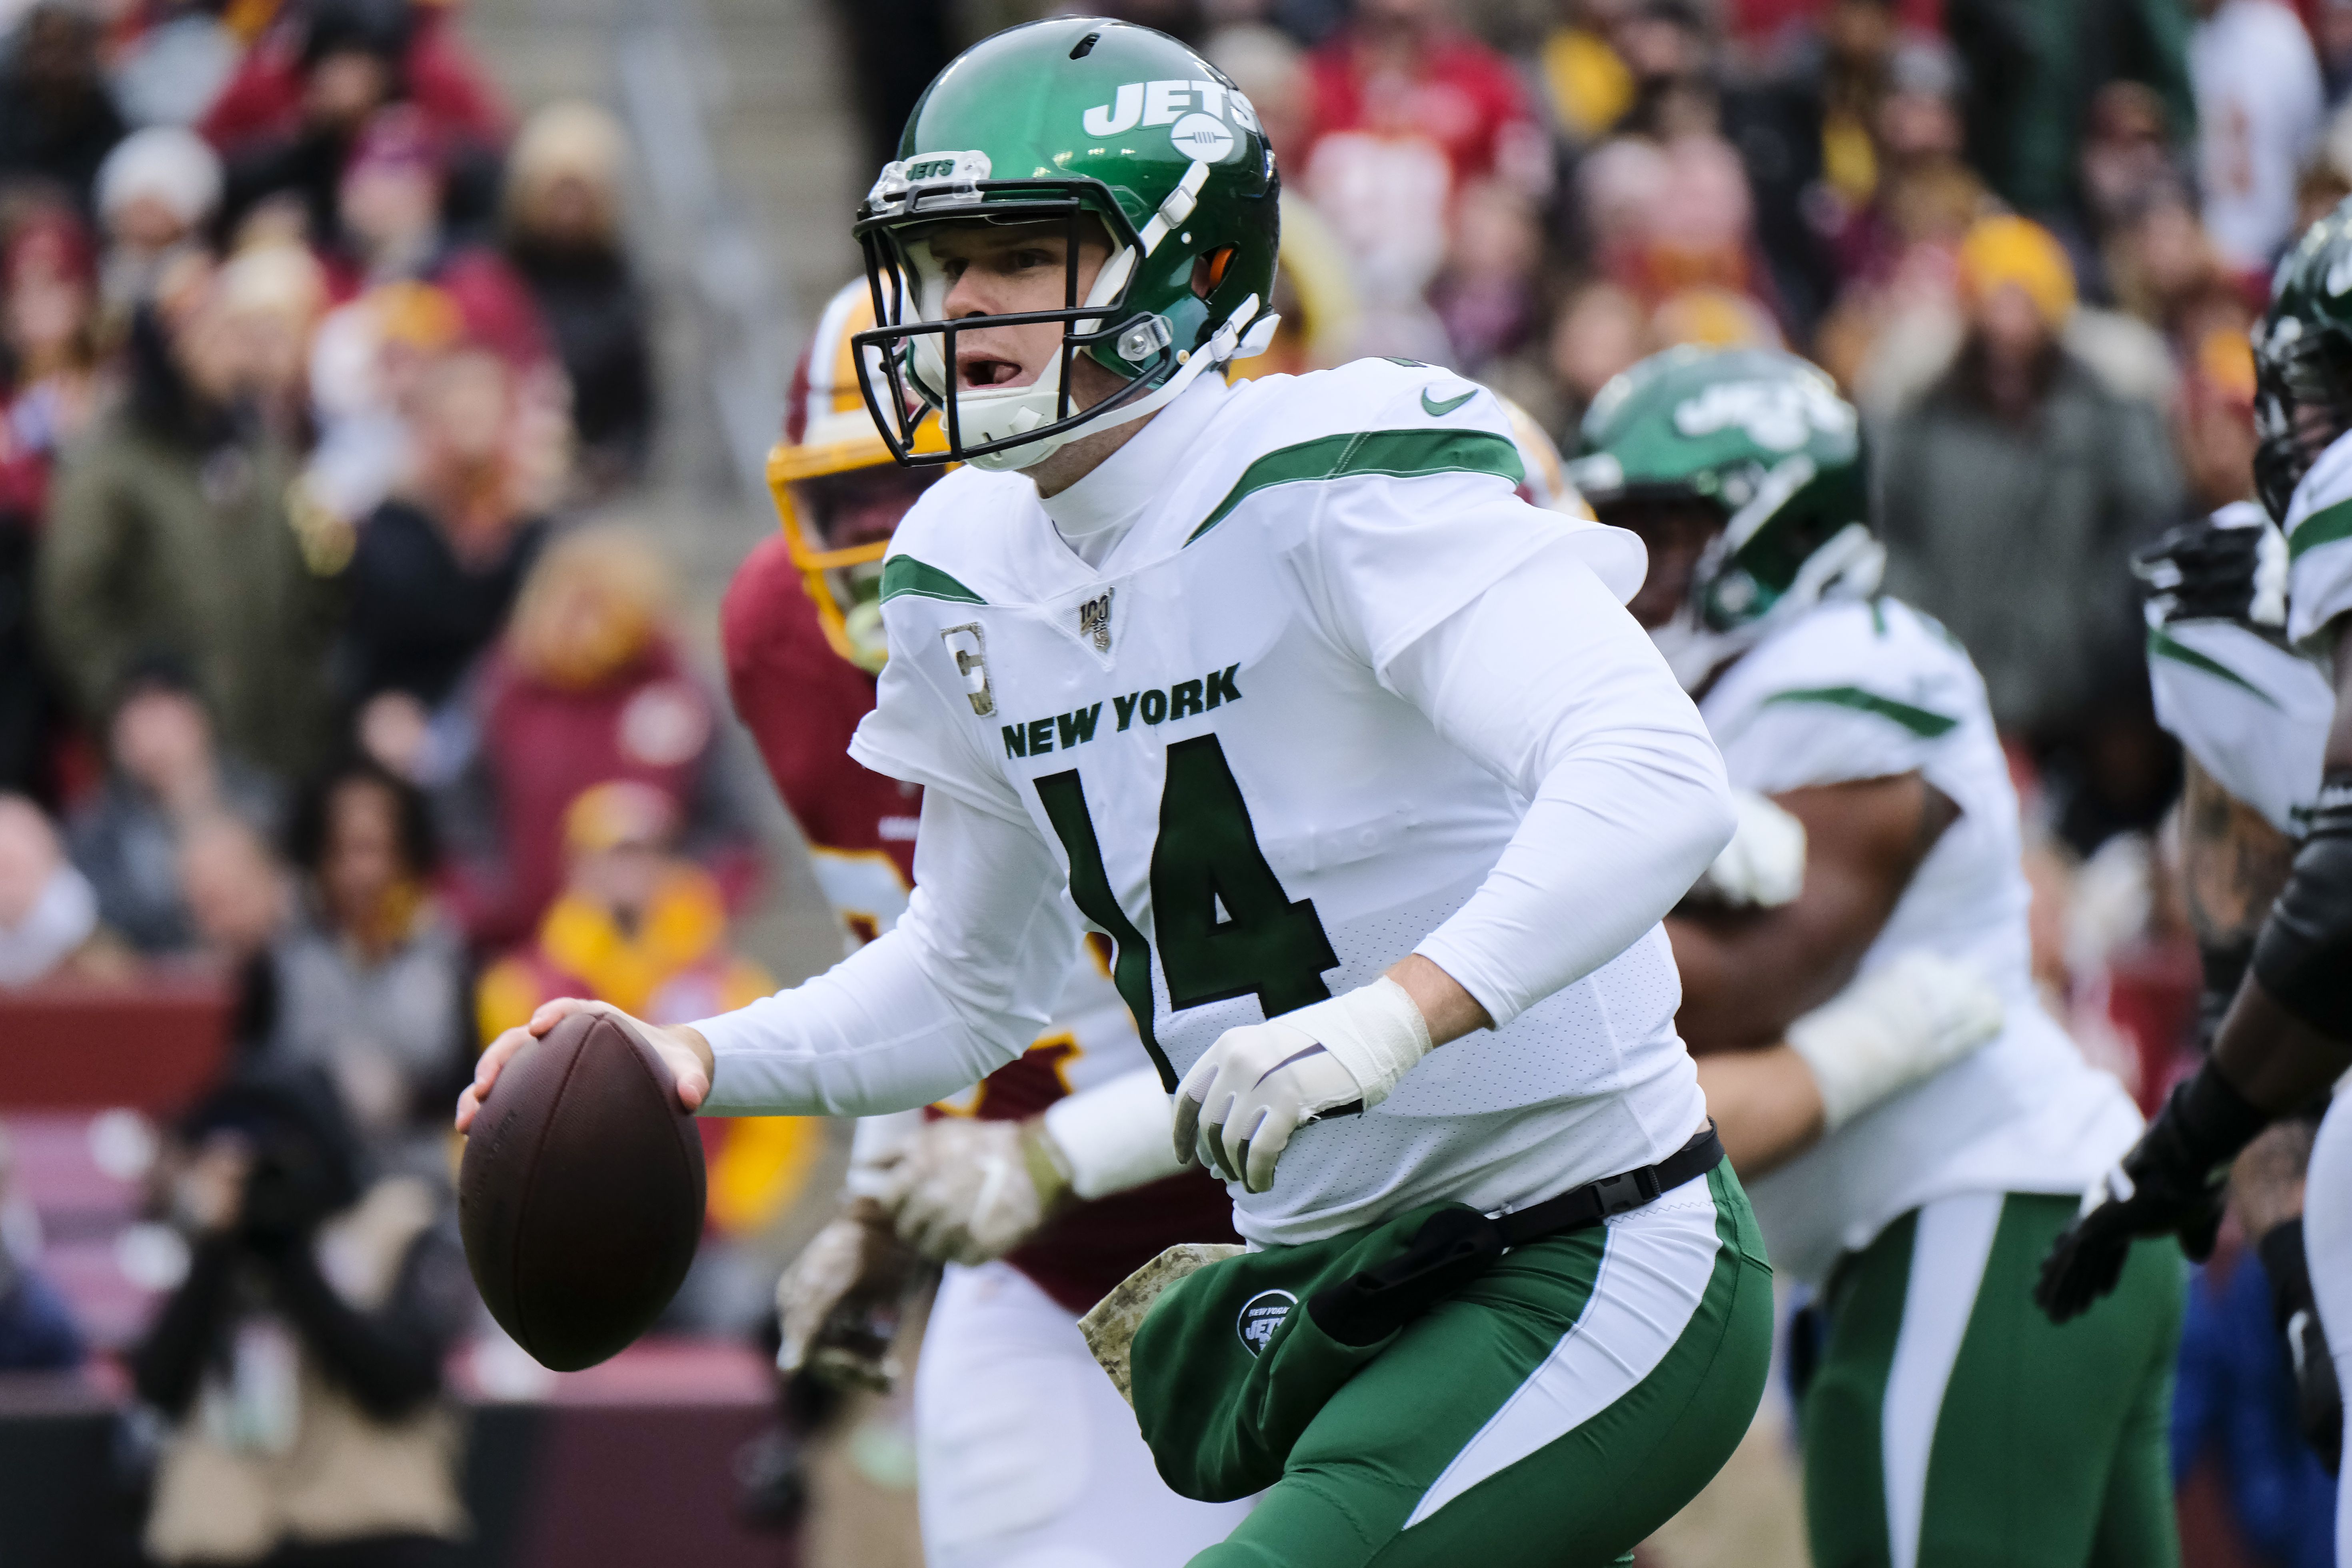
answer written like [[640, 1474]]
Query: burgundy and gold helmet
[[829, 433]]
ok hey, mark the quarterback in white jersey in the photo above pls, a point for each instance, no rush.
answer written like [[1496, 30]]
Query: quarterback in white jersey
[[1917, 1221], [2287, 1035], [1378, 792]]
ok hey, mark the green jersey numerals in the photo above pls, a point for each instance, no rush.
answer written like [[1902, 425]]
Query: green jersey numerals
[[1206, 856]]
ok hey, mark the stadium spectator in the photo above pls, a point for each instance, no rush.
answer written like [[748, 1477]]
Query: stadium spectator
[[49, 911], [56, 121], [438, 564], [239, 901], [2259, 106], [370, 977], [2010, 494], [587, 685], [635, 924], [1486, 297], [48, 273], [2213, 420], [166, 778], [2034, 93], [168, 533], [173, 68], [1408, 111], [391, 227], [156, 191], [298, 1366], [37, 1328], [564, 237], [641, 927]]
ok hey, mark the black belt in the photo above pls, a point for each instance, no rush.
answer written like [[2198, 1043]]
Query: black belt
[[1456, 1245]]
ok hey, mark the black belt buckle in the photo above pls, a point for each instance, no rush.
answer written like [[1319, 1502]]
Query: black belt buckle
[[1625, 1193]]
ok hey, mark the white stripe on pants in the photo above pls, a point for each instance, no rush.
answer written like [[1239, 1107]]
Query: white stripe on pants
[[1950, 1243]]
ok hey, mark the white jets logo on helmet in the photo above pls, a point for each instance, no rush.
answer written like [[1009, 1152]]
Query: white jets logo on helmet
[[1196, 112], [1780, 415]]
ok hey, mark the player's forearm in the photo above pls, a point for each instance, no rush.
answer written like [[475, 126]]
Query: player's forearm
[[1613, 841], [1765, 1105], [875, 1034]]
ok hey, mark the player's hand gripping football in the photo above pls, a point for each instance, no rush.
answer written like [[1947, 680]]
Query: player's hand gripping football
[[685, 1052], [839, 1304], [2172, 1181], [1236, 1110]]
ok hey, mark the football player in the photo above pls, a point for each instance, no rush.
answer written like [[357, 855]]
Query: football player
[[1023, 1447], [2251, 717], [1377, 791], [1945, 1421], [2287, 1035]]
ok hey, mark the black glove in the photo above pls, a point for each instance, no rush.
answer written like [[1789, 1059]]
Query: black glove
[[2230, 566], [2171, 1183], [2318, 1399]]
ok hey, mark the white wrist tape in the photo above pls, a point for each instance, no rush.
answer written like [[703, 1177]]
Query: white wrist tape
[[1374, 1031], [1907, 1020], [1114, 1135], [875, 1145]]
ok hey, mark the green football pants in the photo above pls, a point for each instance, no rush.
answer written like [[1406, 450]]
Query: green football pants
[[1952, 1426], [1551, 1415]]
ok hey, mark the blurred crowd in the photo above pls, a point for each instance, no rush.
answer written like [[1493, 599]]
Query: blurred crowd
[[318, 678], [312, 360]]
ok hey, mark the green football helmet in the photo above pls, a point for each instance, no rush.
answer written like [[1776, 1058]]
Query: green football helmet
[[1762, 437], [1086, 121], [2303, 359]]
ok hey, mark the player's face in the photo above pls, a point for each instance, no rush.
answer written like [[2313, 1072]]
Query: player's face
[[1677, 533], [1004, 269], [862, 505]]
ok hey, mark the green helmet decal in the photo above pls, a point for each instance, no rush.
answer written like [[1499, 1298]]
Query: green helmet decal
[[1101, 126], [1762, 436], [2303, 359]]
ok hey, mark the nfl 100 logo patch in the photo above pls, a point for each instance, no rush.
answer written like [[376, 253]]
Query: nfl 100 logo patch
[[1260, 1315]]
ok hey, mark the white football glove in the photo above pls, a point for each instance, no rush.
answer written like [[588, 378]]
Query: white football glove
[[1764, 865], [965, 1191], [1908, 1019], [839, 1303], [1237, 1107]]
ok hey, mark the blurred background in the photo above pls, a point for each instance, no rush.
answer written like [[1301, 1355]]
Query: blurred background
[[384, 393]]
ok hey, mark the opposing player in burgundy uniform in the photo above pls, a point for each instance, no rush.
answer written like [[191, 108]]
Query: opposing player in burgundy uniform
[[1038, 1188]]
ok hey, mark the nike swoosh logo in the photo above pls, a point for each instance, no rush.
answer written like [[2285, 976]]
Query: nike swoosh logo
[[1439, 410]]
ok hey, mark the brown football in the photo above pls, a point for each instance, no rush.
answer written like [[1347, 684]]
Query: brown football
[[581, 1195]]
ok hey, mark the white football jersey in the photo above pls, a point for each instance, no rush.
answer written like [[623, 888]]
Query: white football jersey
[[1199, 731], [2319, 528], [1859, 691], [2253, 715], [1091, 1039]]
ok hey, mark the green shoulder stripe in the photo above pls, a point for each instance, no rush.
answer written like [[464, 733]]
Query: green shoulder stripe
[[2325, 526], [1400, 454], [1920, 722], [2162, 645], [904, 574]]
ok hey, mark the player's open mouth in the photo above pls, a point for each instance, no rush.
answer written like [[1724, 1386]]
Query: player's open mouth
[[989, 372]]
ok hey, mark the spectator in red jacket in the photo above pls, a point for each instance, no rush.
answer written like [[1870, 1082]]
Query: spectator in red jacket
[[587, 685], [1407, 112]]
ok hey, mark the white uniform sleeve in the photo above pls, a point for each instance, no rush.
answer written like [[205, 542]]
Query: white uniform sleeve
[[958, 988], [1546, 679]]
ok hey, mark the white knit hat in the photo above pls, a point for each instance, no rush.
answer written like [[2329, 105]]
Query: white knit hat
[[166, 161]]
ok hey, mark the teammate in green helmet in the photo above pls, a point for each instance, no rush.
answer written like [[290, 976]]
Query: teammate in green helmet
[[1918, 1219], [1742, 469]]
